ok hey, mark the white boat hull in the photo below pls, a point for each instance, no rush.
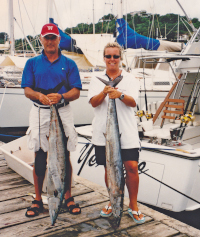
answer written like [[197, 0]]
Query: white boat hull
[[15, 107]]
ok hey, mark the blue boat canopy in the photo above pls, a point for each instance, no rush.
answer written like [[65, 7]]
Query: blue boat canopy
[[134, 40]]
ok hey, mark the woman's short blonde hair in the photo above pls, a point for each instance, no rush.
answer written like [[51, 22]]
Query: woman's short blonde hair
[[113, 45]]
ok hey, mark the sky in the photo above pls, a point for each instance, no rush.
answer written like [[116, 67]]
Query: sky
[[31, 15]]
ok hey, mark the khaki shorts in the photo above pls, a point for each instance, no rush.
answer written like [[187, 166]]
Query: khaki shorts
[[38, 138]]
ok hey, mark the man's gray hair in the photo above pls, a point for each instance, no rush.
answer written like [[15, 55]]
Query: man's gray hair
[[114, 45]]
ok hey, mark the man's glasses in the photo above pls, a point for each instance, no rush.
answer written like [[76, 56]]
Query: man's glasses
[[50, 37], [114, 56]]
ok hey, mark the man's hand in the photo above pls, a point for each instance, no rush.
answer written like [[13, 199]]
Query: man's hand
[[44, 99], [54, 98]]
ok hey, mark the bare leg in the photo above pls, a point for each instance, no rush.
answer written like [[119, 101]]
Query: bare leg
[[68, 188], [106, 182], [132, 183], [38, 183]]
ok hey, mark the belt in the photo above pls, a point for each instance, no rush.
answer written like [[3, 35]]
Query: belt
[[48, 107]]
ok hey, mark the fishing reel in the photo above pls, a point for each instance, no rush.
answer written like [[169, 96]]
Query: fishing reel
[[148, 116], [140, 113], [187, 118]]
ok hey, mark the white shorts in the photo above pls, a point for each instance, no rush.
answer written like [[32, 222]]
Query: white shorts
[[38, 138]]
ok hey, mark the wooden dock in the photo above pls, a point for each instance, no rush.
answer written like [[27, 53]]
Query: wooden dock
[[14, 200]]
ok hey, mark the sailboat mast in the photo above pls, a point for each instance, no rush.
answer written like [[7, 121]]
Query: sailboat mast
[[11, 24], [120, 9], [50, 10], [93, 19], [178, 30]]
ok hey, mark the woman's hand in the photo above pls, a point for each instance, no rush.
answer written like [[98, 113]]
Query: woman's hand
[[113, 93]]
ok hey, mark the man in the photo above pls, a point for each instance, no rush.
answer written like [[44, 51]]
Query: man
[[48, 79]]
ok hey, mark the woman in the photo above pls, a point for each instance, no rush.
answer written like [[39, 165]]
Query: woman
[[126, 95]]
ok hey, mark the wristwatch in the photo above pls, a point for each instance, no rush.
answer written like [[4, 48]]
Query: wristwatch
[[121, 96], [62, 99]]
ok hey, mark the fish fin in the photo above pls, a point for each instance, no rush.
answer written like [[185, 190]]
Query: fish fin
[[108, 83], [117, 80], [104, 134]]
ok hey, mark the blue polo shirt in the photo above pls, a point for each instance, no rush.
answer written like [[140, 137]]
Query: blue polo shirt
[[39, 72]]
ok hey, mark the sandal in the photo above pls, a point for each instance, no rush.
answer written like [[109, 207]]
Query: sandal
[[138, 213], [103, 214], [71, 207], [36, 210]]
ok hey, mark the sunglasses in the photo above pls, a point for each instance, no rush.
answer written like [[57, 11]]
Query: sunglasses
[[50, 37], [114, 56]]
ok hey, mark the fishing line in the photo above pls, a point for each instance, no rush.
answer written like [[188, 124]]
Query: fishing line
[[143, 172]]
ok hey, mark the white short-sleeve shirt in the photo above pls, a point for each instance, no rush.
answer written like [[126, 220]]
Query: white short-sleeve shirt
[[126, 115]]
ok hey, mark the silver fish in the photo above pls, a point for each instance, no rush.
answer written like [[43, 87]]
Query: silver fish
[[114, 164], [58, 163]]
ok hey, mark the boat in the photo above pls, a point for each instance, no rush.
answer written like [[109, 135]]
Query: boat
[[158, 80]]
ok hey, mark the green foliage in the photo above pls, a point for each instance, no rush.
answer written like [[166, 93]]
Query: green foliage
[[3, 37], [141, 24]]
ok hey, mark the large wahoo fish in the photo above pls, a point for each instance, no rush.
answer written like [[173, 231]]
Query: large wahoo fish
[[58, 165], [114, 165]]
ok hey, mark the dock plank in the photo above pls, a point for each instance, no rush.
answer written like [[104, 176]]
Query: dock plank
[[80, 189], [18, 217], [97, 227], [16, 192], [9, 177], [13, 184], [3, 162], [155, 229], [5, 170], [13, 205]]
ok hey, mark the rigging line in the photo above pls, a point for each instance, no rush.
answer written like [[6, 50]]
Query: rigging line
[[151, 32], [172, 28], [60, 25], [143, 172], [183, 19], [134, 28], [109, 20], [158, 24], [29, 17], [36, 13], [22, 24]]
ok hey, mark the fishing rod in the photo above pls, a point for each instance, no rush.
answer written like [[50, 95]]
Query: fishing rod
[[141, 113], [189, 20], [187, 117]]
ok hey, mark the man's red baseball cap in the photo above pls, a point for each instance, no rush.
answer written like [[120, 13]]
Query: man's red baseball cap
[[50, 29]]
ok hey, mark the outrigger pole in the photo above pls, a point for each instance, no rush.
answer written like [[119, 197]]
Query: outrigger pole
[[189, 20]]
